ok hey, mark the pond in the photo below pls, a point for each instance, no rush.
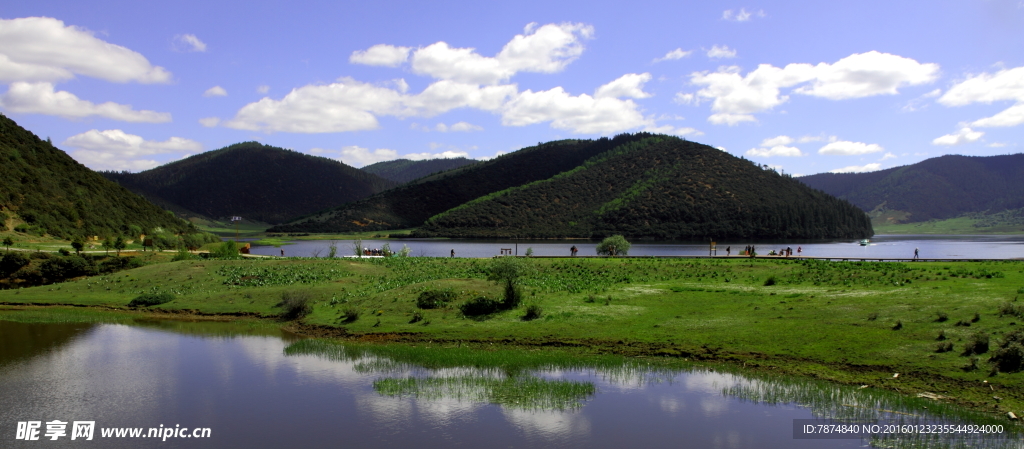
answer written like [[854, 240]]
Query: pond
[[880, 246], [259, 387]]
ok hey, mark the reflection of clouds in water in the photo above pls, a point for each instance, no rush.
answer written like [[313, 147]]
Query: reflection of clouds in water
[[268, 352], [731, 439], [709, 382], [671, 405], [713, 406], [384, 408], [549, 424], [446, 411]]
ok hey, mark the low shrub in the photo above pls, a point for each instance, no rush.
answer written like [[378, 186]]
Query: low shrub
[[898, 325], [296, 304], [533, 312], [944, 347], [480, 305], [942, 317], [11, 262], [872, 316], [770, 281], [416, 317], [151, 299], [977, 343], [942, 336], [1012, 309], [435, 299], [1009, 359], [351, 314], [112, 264]]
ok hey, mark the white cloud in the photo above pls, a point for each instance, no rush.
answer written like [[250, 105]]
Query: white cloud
[[44, 49], [736, 98], [1004, 85], [777, 150], [458, 127], [721, 52], [997, 145], [357, 156], [188, 42], [117, 150], [209, 122], [350, 105], [669, 129], [630, 85], [263, 88], [678, 53], [775, 141], [682, 98], [888, 156], [215, 91], [40, 98], [847, 148], [742, 15], [547, 49], [381, 55], [858, 168], [581, 114], [1012, 116], [964, 135]]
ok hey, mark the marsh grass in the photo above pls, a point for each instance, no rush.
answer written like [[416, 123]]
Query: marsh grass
[[524, 393]]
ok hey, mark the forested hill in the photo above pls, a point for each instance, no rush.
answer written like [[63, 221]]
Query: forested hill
[[411, 204], [255, 181], [937, 188], [661, 187], [43, 190], [404, 170]]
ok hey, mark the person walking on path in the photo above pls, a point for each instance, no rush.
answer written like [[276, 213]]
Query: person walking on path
[[916, 253], [453, 252], [728, 250], [573, 250], [282, 252]]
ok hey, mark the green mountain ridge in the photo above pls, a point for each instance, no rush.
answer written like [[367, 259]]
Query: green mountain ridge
[[934, 189], [405, 170], [660, 187], [255, 181], [411, 204], [51, 193]]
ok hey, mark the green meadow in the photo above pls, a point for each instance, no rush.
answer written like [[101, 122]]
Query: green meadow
[[949, 329]]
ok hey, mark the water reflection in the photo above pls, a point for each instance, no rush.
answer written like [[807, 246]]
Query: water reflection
[[256, 389]]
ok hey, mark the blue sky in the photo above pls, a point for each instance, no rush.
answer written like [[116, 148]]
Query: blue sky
[[807, 87]]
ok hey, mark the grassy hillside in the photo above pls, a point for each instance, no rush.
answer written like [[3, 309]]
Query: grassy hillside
[[934, 189], [45, 191], [404, 170], [410, 205], [659, 187], [255, 181]]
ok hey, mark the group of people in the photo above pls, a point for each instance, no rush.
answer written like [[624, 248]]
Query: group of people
[[373, 252], [750, 250], [787, 251]]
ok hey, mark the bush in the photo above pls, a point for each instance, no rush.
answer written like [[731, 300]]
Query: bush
[[435, 299], [513, 296], [941, 317], [976, 344], [11, 262], [58, 268], [151, 299], [296, 304], [351, 314], [480, 305], [227, 249], [615, 245], [944, 347], [1009, 359], [183, 254], [770, 281], [113, 264], [416, 317], [898, 325], [533, 312], [1013, 309]]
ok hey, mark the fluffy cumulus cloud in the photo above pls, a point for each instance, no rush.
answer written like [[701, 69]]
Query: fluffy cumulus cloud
[[964, 135], [605, 112], [545, 49], [381, 55], [742, 15], [117, 150], [460, 127], [34, 49], [775, 146], [858, 168], [41, 98], [735, 97], [1004, 85], [847, 148], [678, 53], [189, 42], [719, 52], [357, 156], [215, 91], [630, 85]]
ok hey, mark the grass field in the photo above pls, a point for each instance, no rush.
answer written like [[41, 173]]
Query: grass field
[[851, 322], [952, 226]]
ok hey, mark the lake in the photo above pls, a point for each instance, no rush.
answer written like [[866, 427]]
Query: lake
[[258, 387], [880, 247]]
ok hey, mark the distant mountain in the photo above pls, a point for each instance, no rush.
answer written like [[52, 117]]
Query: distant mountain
[[404, 170], [255, 181], [410, 205], [937, 188], [46, 191], [659, 187]]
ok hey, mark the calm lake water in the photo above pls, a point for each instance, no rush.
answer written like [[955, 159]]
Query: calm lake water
[[881, 246], [265, 389]]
